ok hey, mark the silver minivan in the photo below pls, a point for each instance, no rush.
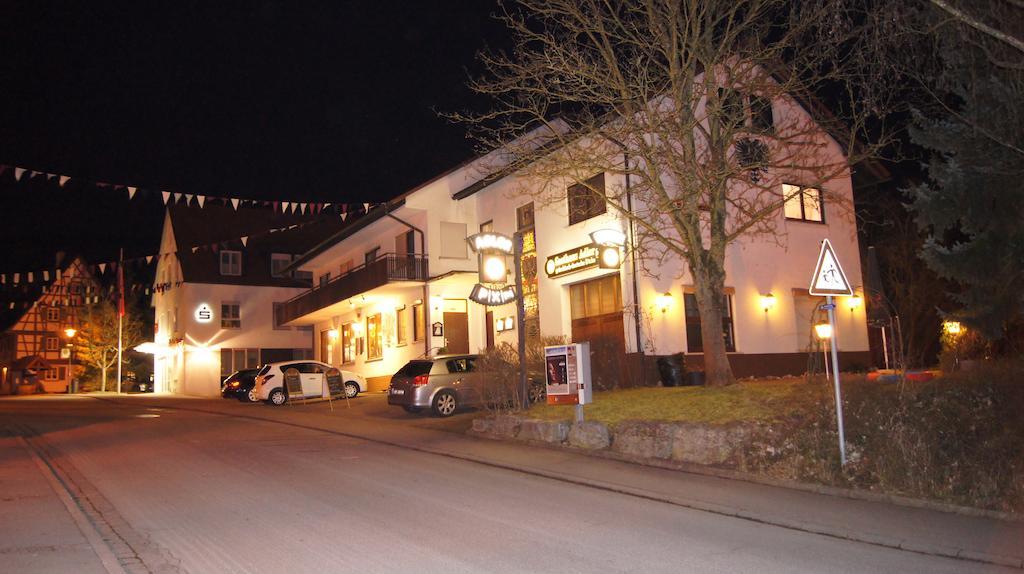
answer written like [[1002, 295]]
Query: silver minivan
[[444, 384]]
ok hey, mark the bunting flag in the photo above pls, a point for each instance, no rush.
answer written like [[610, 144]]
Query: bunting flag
[[18, 172], [201, 199], [131, 192], [166, 195], [245, 241], [234, 203], [63, 179], [103, 267], [149, 259]]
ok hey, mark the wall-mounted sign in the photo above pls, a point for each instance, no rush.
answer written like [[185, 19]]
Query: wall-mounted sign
[[489, 296], [437, 329], [578, 259], [204, 314]]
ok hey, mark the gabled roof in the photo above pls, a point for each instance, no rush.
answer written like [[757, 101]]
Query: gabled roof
[[215, 228], [35, 292]]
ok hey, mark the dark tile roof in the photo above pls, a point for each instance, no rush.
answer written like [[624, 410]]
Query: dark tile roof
[[215, 228]]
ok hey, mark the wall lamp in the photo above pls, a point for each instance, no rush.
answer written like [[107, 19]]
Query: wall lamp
[[823, 331], [952, 327], [664, 301], [767, 302], [854, 302]]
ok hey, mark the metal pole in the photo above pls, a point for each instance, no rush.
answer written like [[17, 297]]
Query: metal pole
[[835, 379], [524, 385], [885, 349], [71, 350], [824, 356], [120, 315]]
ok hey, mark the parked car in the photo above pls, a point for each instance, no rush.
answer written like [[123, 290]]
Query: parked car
[[131, 384], [239, 385], [270, 385], [444, 384]]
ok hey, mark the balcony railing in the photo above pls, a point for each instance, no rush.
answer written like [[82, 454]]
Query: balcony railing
[[385, 269]]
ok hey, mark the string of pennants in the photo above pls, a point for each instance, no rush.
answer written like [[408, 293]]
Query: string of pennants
[[44, 276], [200, 200]]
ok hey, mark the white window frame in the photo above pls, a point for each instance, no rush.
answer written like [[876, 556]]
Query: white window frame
[[52, 315], [798, 195], [232, 320]]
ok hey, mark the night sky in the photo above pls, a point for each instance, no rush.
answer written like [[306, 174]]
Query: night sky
[[323, 101]]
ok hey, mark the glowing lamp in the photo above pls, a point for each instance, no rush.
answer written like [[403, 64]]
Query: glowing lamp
[[333, 334], [854, 302], [767, 302], [609, 257], [493, 268], [952, 327], [608, 237], [823, 331], [664, 301], [70, 332]]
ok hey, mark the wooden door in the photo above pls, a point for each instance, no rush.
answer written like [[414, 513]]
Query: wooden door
[[456, 332]]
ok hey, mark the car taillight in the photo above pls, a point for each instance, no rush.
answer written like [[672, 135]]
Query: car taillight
[[263, 379], [419, 380], [231, 384]]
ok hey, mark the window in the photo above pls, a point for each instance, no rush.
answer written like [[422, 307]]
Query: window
[[405, 243], [51, 375], [594, 298], [230, 316], [524, 216], [278, 261], [232, 360], [346, 267], [52, 344], [303, 275], [374, 342], [586, 199], [348, 344], [230, 262], [418, 322], [453, 240], [325, 279], [53, 314], [401, 320], [694, 343], [761, 118], [803, 203], [487, 226], [463, 365], [371, 255]]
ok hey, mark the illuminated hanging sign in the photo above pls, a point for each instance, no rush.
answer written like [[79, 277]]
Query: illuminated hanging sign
[[484, 242], [204, 314], [579, 259], [490, 296]]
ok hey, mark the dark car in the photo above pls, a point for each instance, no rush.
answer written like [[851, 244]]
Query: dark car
[[239, 385], [131, 384]]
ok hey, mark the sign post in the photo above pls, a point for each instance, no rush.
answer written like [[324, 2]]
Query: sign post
[[830, 280]]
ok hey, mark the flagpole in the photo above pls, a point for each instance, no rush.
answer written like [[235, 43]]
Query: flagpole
[[120, 314]]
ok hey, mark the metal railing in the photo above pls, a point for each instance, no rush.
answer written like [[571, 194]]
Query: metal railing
[[387, 268]]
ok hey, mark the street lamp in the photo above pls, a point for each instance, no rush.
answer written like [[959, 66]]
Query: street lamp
[[70, 333], [824, 333]]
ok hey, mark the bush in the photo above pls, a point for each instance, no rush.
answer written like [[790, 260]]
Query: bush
[[500, 367]]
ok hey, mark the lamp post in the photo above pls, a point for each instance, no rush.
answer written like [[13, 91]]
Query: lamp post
[[70, 333], [824, 333]]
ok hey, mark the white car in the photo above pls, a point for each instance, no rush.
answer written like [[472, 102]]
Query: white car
[[270, 384]]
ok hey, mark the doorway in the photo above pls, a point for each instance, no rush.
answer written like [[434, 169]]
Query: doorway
[[456, 326], [596, 308]]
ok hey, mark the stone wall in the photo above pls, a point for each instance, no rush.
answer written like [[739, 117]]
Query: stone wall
[[718, 445]]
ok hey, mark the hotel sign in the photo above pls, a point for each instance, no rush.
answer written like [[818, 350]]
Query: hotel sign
[[579, 259]]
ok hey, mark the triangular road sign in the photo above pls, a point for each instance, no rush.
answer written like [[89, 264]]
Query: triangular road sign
[[829, 278]]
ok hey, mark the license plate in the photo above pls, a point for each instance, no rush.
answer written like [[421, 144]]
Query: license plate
[[397, 391]]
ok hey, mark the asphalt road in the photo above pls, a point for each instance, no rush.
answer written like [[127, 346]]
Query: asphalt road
[[202, 492]]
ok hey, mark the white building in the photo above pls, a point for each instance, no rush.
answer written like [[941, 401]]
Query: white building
[[395, 285], [214, 306]]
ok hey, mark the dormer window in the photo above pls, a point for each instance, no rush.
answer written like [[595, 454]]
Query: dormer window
[[278, 262], [230, 262]]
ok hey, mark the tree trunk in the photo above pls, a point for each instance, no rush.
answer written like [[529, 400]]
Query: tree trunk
[[103, 373], [717, 370]]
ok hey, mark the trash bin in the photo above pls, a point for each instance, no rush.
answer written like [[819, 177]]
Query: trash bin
[[672, 369]]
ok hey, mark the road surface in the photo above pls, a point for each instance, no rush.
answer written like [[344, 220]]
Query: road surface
[[181, 490]]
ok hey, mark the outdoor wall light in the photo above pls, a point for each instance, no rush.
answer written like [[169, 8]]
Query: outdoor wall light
[[823, 331], [70, 332], [664, 301], [767, 302], [952, 327], [333, 334], [854, 302], [610, 237]]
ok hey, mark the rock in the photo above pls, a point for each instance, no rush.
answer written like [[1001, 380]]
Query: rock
[[544, 431], [708, 444], [589, 435], [483, 425], [507, 426], [644, 439]]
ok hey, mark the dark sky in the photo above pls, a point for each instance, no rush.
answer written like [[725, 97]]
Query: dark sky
[[324, 101]]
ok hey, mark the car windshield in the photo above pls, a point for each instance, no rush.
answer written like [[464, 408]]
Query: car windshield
[[263, 370]]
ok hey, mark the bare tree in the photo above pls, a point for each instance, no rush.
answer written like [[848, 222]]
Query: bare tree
[[677, 97], [97, 339]]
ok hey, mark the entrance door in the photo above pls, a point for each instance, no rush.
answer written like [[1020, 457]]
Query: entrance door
[[456, 326], [597, 317]]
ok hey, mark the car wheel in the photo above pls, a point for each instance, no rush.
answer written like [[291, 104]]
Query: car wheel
[[537, 394], [445, 404], [251, 396], [412, 410], [277, 397], [351, 390]]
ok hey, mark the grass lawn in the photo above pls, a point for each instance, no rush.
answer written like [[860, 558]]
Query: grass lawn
[[764, 400]]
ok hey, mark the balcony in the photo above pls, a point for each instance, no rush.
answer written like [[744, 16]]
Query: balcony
[[387, 268]]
